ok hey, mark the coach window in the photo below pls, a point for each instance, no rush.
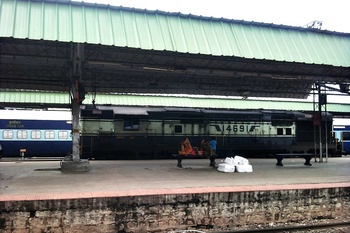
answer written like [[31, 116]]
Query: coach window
[[7, 134], [22, 134], [62, 134], [131, 124], [49, 134], [279, 131], [36, 134], [178, 128]]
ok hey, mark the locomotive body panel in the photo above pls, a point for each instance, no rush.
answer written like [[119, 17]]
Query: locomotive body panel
[[157, 134]]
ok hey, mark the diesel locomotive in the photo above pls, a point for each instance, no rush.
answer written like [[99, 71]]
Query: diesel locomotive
[[155, 133]]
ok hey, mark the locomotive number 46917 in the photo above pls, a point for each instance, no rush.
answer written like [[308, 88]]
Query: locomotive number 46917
[[235, 128]]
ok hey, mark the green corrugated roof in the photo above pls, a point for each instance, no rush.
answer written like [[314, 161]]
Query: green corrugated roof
[[25, 97], [55, 98], [155, 30]]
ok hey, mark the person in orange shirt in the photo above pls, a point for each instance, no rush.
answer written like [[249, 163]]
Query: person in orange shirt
[[186, 148]]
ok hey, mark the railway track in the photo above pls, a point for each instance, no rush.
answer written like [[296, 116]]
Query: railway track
[[339, 227], [343, 227]]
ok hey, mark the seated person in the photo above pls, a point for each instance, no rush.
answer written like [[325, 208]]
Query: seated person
[[208, 152], [206, 148], [186, 148]]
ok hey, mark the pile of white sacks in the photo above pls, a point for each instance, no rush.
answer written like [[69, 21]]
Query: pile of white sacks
[[238, 164]]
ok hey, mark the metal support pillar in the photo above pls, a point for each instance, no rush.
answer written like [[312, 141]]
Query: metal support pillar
[[73, 163], [320, 125], [314, 109], [320, 118], [326, 126]]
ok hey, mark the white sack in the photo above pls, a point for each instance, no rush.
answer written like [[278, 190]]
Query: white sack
[[240, 160], [244, 168], [229, 160], [224, 167]]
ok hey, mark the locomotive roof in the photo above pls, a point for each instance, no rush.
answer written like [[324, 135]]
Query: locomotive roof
[[127, 110], [146, 111]]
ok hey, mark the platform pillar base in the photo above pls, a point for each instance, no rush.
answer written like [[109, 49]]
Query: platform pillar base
[[82, 165]]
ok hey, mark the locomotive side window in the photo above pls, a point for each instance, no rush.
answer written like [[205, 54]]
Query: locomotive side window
[[7, 134], [131, 124], [62, 134], [49, 134], [22, 134], [178, 128], [279, 131], [288, 131], [282, 131], [36, 134]]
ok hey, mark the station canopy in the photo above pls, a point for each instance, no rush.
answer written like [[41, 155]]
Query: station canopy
[[127, 50]]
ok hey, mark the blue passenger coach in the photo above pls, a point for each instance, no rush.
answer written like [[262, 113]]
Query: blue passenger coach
[[39, 133], [341, 129]]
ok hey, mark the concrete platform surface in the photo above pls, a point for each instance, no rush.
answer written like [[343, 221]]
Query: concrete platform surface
[[41, 180]]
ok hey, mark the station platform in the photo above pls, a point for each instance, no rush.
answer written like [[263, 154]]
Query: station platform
[[43, 179]]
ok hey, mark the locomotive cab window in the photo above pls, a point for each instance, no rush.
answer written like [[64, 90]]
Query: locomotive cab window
[[178, 128], [131, 124], [282, 131], [288, 131], [279, 131]]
